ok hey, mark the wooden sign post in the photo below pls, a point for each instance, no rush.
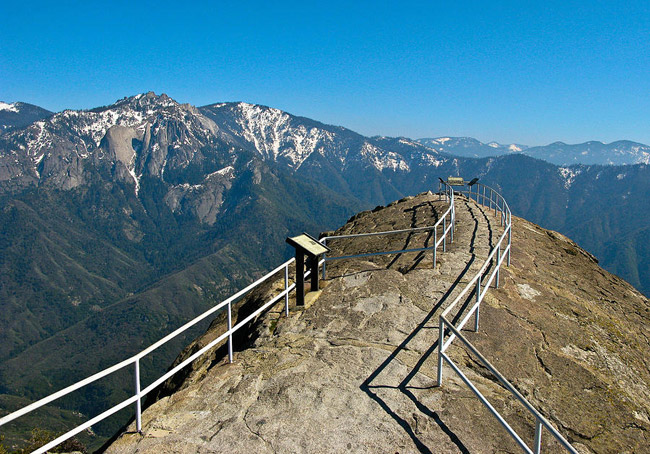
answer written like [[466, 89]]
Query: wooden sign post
[[309, 246]]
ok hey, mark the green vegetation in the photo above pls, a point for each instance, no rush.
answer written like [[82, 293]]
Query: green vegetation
[[40, 437], [93, 275]]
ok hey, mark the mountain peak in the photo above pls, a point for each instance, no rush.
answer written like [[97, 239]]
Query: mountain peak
[[8, 107], [20, 114], [146, 100]]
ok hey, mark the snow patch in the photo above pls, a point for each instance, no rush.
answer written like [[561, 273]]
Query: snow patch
[[274, 137], [432, 160], [137, 181], [225, 170], [9, 107], [37, 161], [408, 142], [493, 145], [228, 172], [569, 175], [515, 148], [620, 176], [382, 159]]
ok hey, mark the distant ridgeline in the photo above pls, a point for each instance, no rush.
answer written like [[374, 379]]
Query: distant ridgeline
[[132, 218]]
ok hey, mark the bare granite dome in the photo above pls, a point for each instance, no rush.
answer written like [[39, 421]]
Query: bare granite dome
[[355, 370]]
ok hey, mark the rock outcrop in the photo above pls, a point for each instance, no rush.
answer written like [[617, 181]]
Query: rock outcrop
[[355, 371]]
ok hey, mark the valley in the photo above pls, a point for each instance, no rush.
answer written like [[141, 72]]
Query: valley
[[119, 223]]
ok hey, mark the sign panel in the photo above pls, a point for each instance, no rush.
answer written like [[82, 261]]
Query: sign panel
[[308, 244]]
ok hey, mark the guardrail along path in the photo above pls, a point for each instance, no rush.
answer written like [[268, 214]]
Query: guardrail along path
[[355, 370]]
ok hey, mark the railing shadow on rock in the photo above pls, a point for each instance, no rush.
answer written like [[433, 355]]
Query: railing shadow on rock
[[226, 305], [489, 197], [478, 286]]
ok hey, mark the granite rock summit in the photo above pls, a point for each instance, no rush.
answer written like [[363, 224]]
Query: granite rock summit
[[355, 371]]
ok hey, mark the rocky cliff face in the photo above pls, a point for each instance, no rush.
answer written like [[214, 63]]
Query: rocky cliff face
[[105, 210], [355, 371]]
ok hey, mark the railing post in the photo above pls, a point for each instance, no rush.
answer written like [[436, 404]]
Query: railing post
[[138, 404], [452, 220], [286, 288], [325, 256], [229, 331], [496, 281], [435, 247], [537, 447], [501, 214], [509, 236], [441, 341], [483, 199], [444, 234], [478, 300]]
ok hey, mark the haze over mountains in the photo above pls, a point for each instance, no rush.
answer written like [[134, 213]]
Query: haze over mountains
[[131, 218], [621, 152]]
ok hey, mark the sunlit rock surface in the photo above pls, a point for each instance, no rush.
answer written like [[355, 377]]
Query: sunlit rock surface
[[355, 371]]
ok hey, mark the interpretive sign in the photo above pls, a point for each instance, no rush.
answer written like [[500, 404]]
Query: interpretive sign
[[306, 244]]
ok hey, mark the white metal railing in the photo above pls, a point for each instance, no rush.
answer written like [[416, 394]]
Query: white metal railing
[[135, 360], [447, 230], [487, 196]]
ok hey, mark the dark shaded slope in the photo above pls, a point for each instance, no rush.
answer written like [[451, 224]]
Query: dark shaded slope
[[264, 206], [21, 115]]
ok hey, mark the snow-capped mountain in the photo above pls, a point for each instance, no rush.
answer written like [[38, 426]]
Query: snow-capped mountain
[[20, 114], [297, 141], [622, 152], [186, 147], [141, 136], [470, 148]]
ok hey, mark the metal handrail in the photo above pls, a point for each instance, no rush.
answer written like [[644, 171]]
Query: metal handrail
[[540, 419], [135, 360], [446, 229], [496, 201], [499, 204]]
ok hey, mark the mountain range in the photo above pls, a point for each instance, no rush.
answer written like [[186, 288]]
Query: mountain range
[[120, 223], [621, 152]]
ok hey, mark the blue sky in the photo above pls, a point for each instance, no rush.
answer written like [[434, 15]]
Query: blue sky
[[525, 72]]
